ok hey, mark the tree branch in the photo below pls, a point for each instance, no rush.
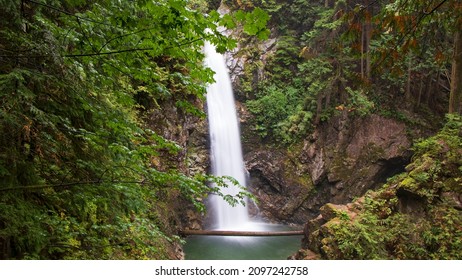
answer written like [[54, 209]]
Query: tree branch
[[107, 53], [436, 8], [102, 53], [68, 13], [125, 35], [70, 184]]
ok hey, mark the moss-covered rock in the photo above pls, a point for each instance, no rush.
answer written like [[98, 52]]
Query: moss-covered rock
[[416, 215]]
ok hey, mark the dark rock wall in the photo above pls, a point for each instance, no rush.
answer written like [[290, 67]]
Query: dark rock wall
[[190, 133], [340, 160]]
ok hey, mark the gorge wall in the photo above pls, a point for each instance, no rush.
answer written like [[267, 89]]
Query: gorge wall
[[340, 160], [189, 133]]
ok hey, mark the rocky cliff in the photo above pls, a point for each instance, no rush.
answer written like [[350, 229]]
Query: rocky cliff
[[340, 160], [415, 215], [189, 134]]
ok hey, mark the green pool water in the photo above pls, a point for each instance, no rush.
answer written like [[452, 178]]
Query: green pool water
[[243, 247]]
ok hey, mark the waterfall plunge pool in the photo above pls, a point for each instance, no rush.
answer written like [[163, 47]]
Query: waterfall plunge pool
[[243, 247]]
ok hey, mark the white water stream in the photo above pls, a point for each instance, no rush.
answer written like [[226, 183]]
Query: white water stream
[[226, 151]]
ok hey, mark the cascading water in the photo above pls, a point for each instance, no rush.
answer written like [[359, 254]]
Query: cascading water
[[226, 155], [226, 151]]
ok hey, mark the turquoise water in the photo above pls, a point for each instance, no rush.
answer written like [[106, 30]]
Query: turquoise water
[[243, 247]]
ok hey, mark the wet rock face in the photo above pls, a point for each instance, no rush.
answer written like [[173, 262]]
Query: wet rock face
[[384, 137], [351, 155], [340, 161], [190, 133], [281, 194]]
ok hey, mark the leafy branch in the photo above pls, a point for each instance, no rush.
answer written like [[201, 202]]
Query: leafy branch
[[68, 13], [99, 53]]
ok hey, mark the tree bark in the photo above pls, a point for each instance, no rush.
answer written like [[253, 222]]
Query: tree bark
[[368, 35], [429, 88], [421, 87], [363, 31], [409, 80], [318, 108], [187, 232], [368, 52], [455, 97]]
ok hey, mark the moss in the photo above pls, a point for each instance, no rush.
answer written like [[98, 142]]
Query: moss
[[405, 226], [294, 170], [408, 183], [340, 169], [372, 153]]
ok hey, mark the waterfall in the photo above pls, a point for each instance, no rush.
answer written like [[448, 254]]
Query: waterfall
[[226, 151]]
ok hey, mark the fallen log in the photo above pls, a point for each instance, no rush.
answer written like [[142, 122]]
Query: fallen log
[[187, 232]]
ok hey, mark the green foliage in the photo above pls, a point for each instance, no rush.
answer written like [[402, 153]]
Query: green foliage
[[315, 62], [356, 240], [359, 103], [255, 22], [273, 106], [287, 114], [436, 163], [391, 226], [379, 57], [323, 24], [84, 173]]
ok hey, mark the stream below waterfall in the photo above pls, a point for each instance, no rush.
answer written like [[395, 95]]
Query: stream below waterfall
[[243, 247]]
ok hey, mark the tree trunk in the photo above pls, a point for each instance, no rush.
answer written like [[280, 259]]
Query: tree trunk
[[368, 52], [363, 31], [408, 83], [429, 89], [187, 232], [455, 97], [318, 108], [421, 87], [368, 36]]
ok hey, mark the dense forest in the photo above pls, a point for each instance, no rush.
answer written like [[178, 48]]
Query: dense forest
[[99, 101], [84, 85]]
